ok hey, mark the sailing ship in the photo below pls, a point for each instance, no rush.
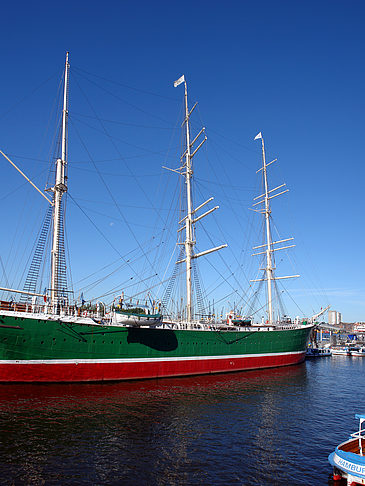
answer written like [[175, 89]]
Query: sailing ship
[[49, 340]]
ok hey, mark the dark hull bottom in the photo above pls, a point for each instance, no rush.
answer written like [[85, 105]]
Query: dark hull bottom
[[135, 369]]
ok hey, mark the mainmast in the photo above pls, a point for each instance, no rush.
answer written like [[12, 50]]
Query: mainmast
[[186, 170], [269, 246], [189, 219], [58, 190]]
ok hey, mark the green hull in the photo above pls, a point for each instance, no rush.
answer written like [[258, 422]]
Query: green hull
[[28, 341]]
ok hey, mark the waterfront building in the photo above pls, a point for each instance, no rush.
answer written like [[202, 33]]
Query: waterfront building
[[334, 317]]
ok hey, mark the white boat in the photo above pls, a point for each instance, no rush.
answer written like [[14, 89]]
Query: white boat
[[136, 317], [359, 351], [348, 459], [341, 350]]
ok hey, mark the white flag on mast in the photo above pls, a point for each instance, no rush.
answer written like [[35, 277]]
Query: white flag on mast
[[179, 81], [258, 136]]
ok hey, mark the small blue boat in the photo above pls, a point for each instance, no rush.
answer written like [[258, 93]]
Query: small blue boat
[[348, 459]]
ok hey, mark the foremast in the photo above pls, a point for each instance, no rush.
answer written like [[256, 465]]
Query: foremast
[[188, 222], [58, 190], [269, 246]]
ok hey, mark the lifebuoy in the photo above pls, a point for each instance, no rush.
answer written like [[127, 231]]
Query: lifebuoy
[[84, 313]]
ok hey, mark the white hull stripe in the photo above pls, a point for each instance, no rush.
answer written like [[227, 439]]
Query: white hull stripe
[[144, 360], [350, 467]]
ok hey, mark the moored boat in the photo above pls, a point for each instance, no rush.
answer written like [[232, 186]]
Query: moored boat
[[315, 352], [358, 351], [340, 351], [348, 459], [50, 340]]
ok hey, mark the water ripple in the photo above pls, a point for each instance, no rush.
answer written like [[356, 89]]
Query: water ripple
[[270, 427]]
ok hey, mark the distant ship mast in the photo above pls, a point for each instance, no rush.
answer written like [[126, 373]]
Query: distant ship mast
[[269, 246], [189, 220]]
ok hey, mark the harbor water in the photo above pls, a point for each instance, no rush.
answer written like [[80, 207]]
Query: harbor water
[[269, 427]]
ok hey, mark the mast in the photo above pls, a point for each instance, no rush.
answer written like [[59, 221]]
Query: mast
[[58, 190], [188, 223], [269, 246], [186, 170], [269, 268]]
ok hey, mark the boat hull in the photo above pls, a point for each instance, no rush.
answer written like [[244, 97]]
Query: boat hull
[[340, 352], [350, 465], [318, 353], [40, 350]]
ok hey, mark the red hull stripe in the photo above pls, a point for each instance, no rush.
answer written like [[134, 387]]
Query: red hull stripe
[[132, 369]]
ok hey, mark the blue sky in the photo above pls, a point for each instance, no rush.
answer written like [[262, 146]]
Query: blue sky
[[293, 70]]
